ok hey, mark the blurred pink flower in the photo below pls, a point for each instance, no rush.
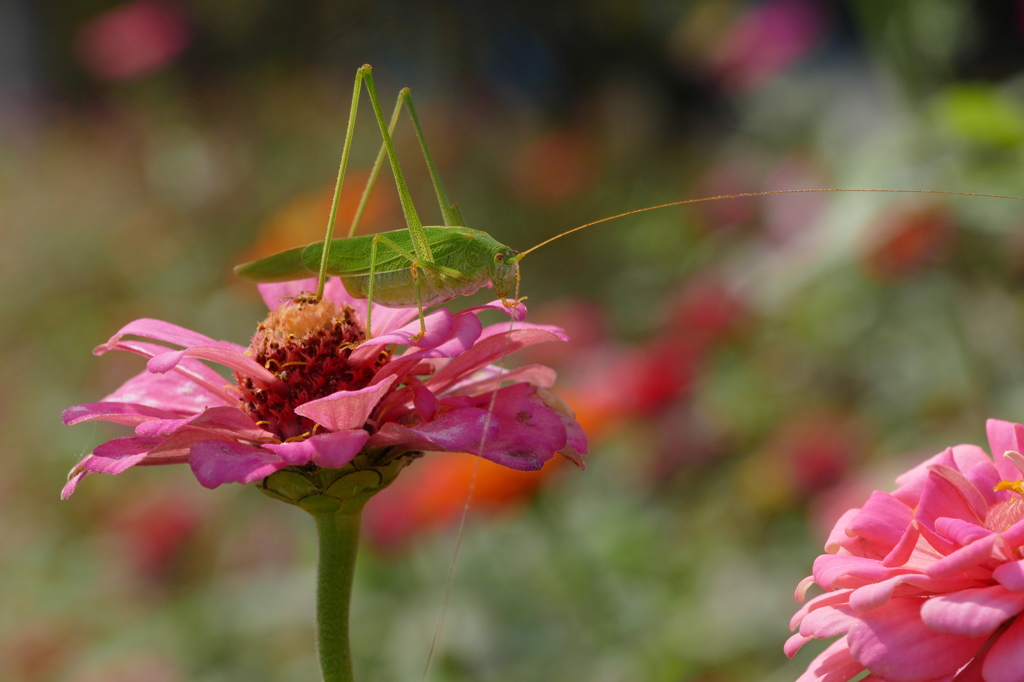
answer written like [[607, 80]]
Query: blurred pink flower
[[305, 396], [133, 40], [926, 583], [767, 39]]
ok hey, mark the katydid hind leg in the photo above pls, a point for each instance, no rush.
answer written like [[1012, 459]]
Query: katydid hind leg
[[450, 215], [364, 200], [345, 150], [412, 220]]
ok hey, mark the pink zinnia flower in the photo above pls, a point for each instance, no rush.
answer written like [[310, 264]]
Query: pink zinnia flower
[[311, 393], [927, 583]]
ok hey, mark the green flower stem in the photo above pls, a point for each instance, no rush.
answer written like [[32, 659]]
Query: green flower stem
[[338, 534]]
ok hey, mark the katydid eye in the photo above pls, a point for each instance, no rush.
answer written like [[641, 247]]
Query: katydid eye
[[499, 257]]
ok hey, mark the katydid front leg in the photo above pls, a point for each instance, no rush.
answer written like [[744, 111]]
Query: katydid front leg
[[414, 267]]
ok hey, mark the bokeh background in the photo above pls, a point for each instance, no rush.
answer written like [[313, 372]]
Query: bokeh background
[[747, 369]]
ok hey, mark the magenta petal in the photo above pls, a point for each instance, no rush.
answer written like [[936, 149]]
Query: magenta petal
[[215, 462], [425, 402], [183, 391], [964, 558], [538, 375], [1005, 660], [128, 414], [465, 331], [161, 427], [1014, 535], [345, 409], [827, 621], [968, 457], [901, 554], [576, 444], [111, 457], [941, 497], [115, 456], [882, 521], [794, 644], [838, 535], [894, 643], [328, 450], [1011, 575], [877, 594], [231, 421], [458, 430], [439, 324], [1003, 436], [503, 328], [972, 612], [392, 435], [911, 483], [967, 490], [834, 664], [189, 369], [69, 488], [176, 448], [227, 421], [485, 352], [529, 432], [832, 571], [158, 330], [961, 532], [821, 601], [229, 357], [517, 312], [276, 293]]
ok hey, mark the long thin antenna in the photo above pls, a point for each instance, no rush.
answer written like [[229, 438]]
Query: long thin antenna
[[520, 255]]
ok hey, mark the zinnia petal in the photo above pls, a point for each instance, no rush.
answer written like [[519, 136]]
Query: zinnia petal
[[971, 612], [485, 352], [1011, 575], [1005, 660], [1003, 436], [345, 409], [895, 644], [329, 450], [216, 461], [127, 414], [834, 664]]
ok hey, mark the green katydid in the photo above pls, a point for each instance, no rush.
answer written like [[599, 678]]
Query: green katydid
[[420, 266], [425, 266]]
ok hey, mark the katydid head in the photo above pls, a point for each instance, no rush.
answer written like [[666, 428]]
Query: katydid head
[[503, 270]]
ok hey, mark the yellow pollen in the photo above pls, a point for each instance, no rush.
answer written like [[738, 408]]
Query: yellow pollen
[[300, 437], [1015, 486], [297, 320]]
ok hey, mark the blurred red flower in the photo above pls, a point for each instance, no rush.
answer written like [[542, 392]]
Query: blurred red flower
[[910, 239], [133, 40]]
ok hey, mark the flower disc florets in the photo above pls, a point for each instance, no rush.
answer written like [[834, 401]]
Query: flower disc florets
[[308, 344], [312, 394]]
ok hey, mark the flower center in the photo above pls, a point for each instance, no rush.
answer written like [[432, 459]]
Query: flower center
[[1008, 512], [308, 345]]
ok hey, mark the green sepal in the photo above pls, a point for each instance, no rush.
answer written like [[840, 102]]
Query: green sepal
[[321, 491], [283, 266]]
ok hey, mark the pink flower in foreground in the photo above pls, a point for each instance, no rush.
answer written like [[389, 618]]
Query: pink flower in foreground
[[306, 398], [927, 583]]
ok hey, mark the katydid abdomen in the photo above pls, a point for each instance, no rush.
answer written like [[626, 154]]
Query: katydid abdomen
[[464, 261]]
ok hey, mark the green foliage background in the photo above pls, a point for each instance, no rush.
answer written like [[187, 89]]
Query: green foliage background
[[131, 199]]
